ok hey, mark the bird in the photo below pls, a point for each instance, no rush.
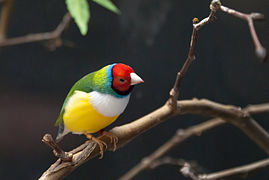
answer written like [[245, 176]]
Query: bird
[[95, 101]]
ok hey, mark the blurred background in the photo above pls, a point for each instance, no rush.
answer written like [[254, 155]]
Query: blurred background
[[153, 37]]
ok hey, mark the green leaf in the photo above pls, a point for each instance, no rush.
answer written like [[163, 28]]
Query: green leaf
[[108, 4], [79, 10]]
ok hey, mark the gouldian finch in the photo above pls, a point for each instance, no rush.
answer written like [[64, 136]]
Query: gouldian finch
[[96, 101]]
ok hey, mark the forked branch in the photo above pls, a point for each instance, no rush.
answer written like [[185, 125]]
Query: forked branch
[[129, 131], [228, 113], [261, 52], [214, 7], [182, 135], [241, 171], [53, 35], [174, 93]]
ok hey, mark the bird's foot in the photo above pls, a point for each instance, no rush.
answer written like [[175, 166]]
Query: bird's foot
[[113, 138], [102, 145]]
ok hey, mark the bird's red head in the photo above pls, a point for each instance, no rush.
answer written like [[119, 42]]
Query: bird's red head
[[124, 78]]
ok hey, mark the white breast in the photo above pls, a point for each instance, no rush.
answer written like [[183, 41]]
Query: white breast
[[108, 105]]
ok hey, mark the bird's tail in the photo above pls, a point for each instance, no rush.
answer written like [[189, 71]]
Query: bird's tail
[[62, 131]]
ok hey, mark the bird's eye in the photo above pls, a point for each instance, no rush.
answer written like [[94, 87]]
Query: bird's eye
[[122, 80]]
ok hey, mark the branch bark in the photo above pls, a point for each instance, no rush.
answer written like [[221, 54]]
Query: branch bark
[[180, 136], [261, 52], [241, 171], [55, 34], [174, 93], [128, 132], [191, 169], [184, 134]]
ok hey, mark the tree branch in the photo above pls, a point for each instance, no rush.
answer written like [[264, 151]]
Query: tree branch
[[174, 93], [55, 34], [182, 135], [261, 52], [58, 152], [241, 171], [129, 131], [214, 7], [190, 169], [233, 115], [257, 109], [167, 160], [195, 167]]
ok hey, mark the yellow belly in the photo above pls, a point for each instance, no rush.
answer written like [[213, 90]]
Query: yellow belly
[[81, 117]]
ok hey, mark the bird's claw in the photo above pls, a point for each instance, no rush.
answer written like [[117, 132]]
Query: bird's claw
[[102, 145], [113, 139]]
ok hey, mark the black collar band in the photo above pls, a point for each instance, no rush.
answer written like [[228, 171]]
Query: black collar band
[[122, 93]]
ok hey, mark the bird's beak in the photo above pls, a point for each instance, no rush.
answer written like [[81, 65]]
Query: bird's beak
[[135, 79]]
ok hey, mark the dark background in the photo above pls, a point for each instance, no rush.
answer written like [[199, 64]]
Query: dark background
[[153, 37]]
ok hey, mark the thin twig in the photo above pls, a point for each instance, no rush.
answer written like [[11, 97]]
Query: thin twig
[[174, 93], [176, 162], [257, 109], [185, 170], [60, 168], [241, 171], [167, 160], [190, 169], [180, 136], [55, 34], [188, 172], [58, 152], [259, 49], [214, 7]]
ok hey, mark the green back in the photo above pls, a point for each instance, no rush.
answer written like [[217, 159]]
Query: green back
[[80, 85], [97, 81]]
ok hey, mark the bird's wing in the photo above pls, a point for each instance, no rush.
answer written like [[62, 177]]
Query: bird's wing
[[84, 84]]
